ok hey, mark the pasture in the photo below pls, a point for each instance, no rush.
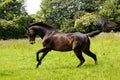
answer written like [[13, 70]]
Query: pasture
[[18, 60]]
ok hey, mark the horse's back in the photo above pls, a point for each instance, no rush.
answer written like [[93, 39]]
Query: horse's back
[[61, 42]]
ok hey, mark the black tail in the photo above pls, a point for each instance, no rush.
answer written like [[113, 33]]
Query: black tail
[[94, 33]]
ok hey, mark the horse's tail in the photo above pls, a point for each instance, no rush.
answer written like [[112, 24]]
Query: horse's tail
[[94, 33]]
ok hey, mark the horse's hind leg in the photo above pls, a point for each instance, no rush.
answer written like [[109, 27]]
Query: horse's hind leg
[[80, 57], [89, 53]]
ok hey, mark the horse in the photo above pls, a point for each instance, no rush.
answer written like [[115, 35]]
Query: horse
[[52, 39]]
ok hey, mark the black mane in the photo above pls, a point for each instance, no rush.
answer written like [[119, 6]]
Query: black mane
[[42, 24]]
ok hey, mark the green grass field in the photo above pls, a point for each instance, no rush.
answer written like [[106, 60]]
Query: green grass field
[[18, 60]]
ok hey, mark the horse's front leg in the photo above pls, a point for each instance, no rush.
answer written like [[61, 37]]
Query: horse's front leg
[[45, 51], [37, 54], [39, 62]]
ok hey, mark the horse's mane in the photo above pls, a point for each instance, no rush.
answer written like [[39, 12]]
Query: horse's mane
[[42, 24]]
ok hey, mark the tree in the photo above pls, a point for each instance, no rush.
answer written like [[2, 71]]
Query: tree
[[86, 23], [13, 19], [10, 9], [90, 5], [111, 10], [63, 13]]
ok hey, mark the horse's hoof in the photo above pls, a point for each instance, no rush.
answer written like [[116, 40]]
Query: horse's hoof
[[96, 63], [38, 64], [38, 60], [78, 65]]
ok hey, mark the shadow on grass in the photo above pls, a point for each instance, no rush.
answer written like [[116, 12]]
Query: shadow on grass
[[6, 73], [85, 66], [89, 65]]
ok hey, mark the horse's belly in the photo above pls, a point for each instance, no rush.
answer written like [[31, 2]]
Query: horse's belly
[[63, 47], [62, 43]]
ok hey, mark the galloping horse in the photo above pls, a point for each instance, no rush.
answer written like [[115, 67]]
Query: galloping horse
[[52, 39]]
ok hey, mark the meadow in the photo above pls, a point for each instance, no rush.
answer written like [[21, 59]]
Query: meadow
[[18, 60]]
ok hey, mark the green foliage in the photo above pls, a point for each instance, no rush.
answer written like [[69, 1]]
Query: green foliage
[[63, 13], [10, 9], [56, 11], [111, 10], [86, 23], [10, 30], [90, 5], [13, 19], [66, 27], [36, 18]]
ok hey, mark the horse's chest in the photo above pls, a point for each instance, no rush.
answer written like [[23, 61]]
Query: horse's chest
[[47, 42]]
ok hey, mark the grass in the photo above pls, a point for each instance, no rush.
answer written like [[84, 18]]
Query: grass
[[18, 60]]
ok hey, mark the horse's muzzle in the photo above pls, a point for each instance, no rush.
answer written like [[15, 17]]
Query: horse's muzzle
[[32, 42]]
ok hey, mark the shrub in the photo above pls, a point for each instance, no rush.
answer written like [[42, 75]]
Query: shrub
[[9, 29], [68, 26], [86, 23]]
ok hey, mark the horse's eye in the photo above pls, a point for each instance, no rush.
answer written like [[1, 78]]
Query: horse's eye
[[31, 35]]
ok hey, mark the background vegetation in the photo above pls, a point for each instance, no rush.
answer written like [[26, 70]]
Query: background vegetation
[[63, 14], [13, 19], [18, 60]]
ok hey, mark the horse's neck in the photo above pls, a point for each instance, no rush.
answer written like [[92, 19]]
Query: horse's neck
[[42, 31], [49, 34], [43, 34]]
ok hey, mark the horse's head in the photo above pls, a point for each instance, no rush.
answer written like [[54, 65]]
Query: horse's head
[[31, 35], [41, 29]]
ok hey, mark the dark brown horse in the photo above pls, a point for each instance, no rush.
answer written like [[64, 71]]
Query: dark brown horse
[[54, 40]]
